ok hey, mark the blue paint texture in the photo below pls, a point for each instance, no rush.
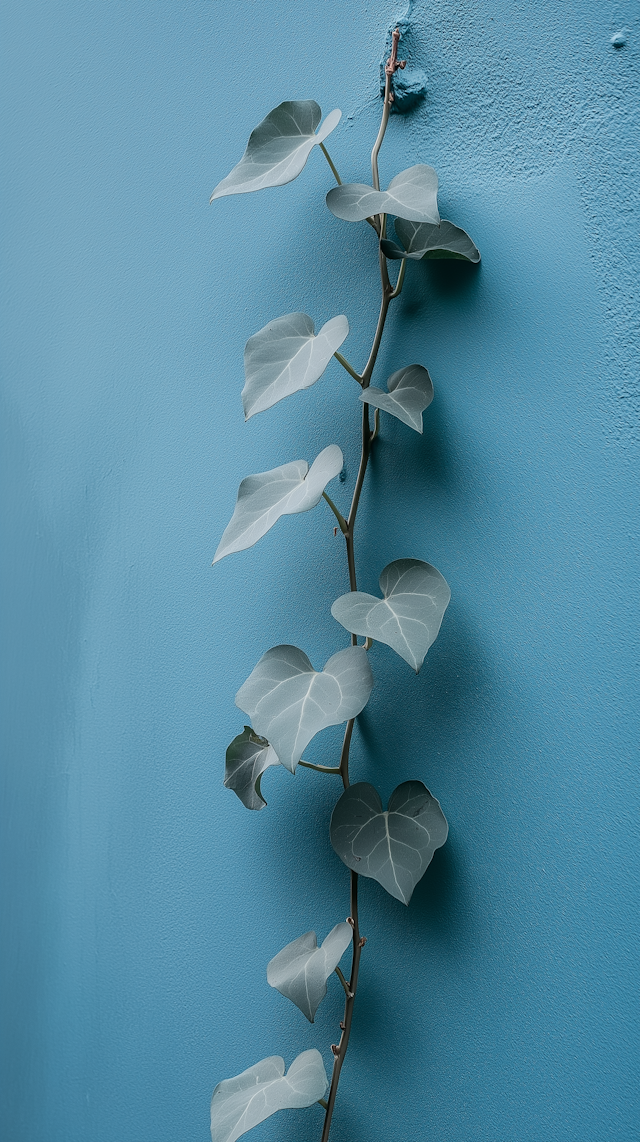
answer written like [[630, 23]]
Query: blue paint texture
[[141, 901]]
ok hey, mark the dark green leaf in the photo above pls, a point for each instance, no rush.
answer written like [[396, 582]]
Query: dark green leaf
[[422, 240], [247, 758], [393, 846]]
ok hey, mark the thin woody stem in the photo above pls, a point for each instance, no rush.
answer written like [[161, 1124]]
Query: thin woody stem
[[381, 133], [388, 293]]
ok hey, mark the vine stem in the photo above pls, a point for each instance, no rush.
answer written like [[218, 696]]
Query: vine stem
[[388, 293]]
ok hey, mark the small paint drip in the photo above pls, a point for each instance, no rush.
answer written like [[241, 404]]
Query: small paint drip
[[619, 40]]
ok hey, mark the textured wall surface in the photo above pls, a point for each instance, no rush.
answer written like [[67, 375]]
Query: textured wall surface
[[141, 902]]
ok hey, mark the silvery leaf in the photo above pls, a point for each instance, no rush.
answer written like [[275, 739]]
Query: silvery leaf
[[279, 147], [422, 240], [285, 356], [410, 392], [412, 194], [289, 702], [287, 490], [241, 1103], [301, 970], [393, 846], [247, 758], [408, 618]]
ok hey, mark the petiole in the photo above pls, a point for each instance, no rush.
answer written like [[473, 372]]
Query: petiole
[[345, 365], [342, 523], [348, 993], [328, 158], [400, 282], [319, 768]]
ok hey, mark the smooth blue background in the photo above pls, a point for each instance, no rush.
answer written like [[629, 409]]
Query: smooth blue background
[[141, 901]]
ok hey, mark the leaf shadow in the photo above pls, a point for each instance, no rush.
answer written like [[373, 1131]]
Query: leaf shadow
[[440, 282], [440, 904], [452, 694]]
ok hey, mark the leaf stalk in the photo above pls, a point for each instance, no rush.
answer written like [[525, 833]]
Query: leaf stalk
[[345, 365], [328, 158], [342, 523], [319, 768]]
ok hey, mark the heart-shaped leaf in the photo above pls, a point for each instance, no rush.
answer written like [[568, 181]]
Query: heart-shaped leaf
[[410, 392], [278, 147], [285, 356], [411, 194], [301, 970], [289, 702], [247, 758], [287, 490], [422, 240], [240, 1103], [408, 618], [393, 846]]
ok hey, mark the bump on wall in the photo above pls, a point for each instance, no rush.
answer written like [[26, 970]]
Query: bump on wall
[[410, 84]]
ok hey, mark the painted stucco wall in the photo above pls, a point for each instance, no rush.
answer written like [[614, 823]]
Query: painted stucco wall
[[141, 901]]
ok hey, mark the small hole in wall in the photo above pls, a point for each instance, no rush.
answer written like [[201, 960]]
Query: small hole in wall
[[619, 40], [343, 475]]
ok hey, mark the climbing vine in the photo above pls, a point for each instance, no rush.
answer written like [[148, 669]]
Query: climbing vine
[[288, 700]]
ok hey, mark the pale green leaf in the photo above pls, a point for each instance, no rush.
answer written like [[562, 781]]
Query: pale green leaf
[[247, 758], [393, 846], [289, 702], [287, 490], [279, 147], [411, 194], [285, 356], [408, 618], [241, 1103], [301, 970], [422, 240], [410, 392]]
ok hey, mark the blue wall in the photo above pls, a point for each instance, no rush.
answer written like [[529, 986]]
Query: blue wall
[[141, 900]]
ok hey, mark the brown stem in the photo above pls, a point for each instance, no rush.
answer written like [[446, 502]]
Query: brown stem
[[341, 1048], [388, 292]]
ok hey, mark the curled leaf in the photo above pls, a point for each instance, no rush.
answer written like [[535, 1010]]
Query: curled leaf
[[411, 194], [393, 846], [289, 702], [278, 147], [287, 490], [247, 758], [410, 392], [422, 240], [241, 1103], [301, 970], [286, 356], [408, 618]]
